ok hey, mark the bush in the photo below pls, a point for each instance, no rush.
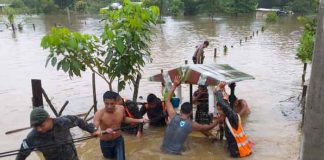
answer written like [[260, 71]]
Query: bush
[[306, 47], [272, 17], [80, 6], [175, 7]]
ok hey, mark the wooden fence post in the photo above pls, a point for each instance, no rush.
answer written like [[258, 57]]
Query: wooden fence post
[[37, 98]]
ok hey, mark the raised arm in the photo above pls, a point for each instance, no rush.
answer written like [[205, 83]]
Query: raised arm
[[168, 104], [229, 112]]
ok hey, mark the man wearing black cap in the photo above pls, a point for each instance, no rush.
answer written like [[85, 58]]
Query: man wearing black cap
[[52, 136], [180, 125]]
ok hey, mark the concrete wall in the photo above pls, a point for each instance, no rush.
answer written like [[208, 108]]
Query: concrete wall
[[313, 131]]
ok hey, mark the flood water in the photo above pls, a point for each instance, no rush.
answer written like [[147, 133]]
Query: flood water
[[273, 124]]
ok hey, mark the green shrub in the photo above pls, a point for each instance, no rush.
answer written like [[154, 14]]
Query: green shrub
[[272, 17]]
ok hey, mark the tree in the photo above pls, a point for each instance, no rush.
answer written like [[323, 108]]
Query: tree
[[304, 6], [120, 52], [10, 12], [81, 6], [175, 7], [127, 34], [190, 7], [239, 6], [306, 46]]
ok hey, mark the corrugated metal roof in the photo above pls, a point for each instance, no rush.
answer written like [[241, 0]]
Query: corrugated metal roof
[[204, 74]]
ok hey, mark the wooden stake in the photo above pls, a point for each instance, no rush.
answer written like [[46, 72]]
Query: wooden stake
[[49, 103]]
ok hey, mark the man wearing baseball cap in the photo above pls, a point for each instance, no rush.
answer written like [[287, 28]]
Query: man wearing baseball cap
[[52, 136]]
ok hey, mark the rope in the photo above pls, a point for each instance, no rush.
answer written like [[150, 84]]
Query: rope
[[49, 146]]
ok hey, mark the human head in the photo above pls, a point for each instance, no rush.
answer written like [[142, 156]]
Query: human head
[[222, 85], [151, 100], [131, 105], [186, 108], [120, 100], [202, 87], [206, 44], [110, 99], [40, 120]]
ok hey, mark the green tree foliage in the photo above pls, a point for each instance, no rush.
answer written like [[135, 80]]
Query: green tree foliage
[[41, 6], [272, 17], [10, 12], [120, 52], [306, 46], [72, 52], [304, 6], [176, 7], [239, 6], [127, 34], [190, 7], [81, 6], [64, 3]]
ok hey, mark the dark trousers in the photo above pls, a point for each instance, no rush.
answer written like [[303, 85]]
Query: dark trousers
[[114, 149], [202, 116]]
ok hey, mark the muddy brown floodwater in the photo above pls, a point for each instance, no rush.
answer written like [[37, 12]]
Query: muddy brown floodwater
[[273, 124]]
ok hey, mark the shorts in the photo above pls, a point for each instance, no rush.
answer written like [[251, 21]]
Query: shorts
[[114, 149]]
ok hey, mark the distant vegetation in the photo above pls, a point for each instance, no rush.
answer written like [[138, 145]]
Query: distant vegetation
[[272, 17], [167, 7]]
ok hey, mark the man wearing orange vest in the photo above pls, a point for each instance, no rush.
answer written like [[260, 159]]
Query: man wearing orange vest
[[238, 144]]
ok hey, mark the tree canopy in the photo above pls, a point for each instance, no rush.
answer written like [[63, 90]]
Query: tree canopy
[[120, 52]]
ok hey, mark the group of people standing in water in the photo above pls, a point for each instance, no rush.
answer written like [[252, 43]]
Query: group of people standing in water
[[121, 115]]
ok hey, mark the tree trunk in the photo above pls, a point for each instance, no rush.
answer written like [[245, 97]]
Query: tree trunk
[[13, 27], [110, 86], [136, 86], [312, 145]]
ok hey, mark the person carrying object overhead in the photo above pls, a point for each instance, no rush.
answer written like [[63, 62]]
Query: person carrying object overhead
[[237, 141], [180, 125], [50, 136]]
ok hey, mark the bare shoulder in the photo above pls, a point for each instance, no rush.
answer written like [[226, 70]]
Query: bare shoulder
[[99, 113], [120, 108]]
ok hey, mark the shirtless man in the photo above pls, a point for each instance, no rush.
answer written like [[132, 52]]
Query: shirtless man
[[241, 107], [109, 120]]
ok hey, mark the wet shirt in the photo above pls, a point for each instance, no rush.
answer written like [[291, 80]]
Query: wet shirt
[[134, 111], [175, 135], [233, 119], [203, 98], [156, 114], [55, 144]]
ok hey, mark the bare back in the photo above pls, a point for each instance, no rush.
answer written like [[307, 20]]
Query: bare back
[[110, 120]]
